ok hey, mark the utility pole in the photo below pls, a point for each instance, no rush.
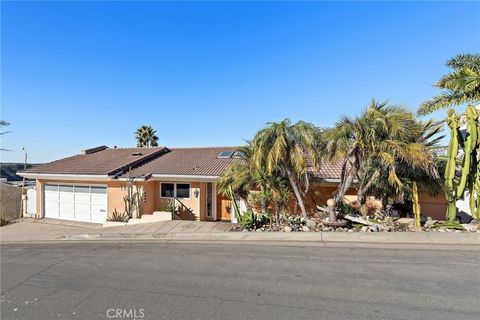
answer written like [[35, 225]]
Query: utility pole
[[23, 183]]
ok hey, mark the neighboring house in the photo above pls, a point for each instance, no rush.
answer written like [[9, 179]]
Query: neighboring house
[[92, 185], [8, 173]]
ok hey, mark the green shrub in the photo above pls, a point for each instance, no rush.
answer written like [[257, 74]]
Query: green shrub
[[167, 206], [118, 216], [448, 225], [251, 220]]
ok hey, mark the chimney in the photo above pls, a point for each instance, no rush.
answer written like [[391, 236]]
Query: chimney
[[93, 150]]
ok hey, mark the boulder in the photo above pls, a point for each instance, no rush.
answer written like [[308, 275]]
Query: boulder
[[312, 224], [469, 227], [429, 223], [305, 229], [287, 229], [406, 221]]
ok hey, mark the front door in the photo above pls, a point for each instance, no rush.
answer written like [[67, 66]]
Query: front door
[[210, 202]]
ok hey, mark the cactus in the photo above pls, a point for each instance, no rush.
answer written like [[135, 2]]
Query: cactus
[[450, 192], [474, 186], [470, 151], [416, 205]]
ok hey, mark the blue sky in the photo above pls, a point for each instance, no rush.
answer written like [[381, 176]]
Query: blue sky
[[81, 74]]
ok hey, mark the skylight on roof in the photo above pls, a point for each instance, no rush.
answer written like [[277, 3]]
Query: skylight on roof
[[239, 154], [225, 154]]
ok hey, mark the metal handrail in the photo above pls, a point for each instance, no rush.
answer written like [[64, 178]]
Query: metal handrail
[[174, 200]]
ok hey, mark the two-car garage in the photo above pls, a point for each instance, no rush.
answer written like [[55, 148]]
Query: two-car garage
[[86, 203]]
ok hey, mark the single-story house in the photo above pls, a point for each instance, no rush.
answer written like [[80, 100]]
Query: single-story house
[[92, 185]]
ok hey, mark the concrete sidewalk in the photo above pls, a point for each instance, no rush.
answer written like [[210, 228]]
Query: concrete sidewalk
[[30, 230]]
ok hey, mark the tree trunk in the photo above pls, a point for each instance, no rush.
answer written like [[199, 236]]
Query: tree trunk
[[296, 191], [332, 214], [263, 205], [345, 184]]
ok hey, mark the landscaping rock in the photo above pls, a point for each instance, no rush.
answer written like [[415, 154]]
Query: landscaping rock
[[469, 227], [327, 229], [364, 229], [406, 221], [429, 223], [287, 229], [259, 230], [311, 223], [305, 229]]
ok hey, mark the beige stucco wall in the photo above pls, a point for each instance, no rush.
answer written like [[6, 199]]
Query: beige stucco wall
[[196, 204], [433, 206]]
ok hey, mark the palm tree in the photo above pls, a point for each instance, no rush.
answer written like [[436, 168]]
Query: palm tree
[[426, 177], [244, 176], [4, 123], [289, 150], [145, 136], [371, 147], [460, 86]]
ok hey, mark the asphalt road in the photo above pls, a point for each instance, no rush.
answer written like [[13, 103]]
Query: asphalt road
[[205, 281]]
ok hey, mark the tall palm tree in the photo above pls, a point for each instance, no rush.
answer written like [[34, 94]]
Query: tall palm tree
[[289, 150], [460, 86], [371, 145], [4, 123], [145, 136]]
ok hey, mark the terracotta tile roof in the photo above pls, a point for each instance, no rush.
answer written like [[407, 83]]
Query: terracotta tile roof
[[188, 161], [330, 170], [156, 161], [104, 162]]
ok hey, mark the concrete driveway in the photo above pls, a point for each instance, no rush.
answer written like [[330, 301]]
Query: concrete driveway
[[28, 229]]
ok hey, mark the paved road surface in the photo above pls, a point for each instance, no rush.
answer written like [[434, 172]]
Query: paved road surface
[[200, 281]]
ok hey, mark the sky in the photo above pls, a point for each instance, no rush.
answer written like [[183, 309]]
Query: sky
[[76, 75]]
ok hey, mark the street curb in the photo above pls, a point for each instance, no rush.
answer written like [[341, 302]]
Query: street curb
[[334, 237]]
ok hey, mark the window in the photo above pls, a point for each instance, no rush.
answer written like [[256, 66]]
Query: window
[[82, 189], [66, 188], [50, 187], [167, 190], [183, 190], [100, 190], [171, 190], [225, 154]]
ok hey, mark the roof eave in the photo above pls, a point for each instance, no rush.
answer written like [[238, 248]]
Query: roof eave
[[61, 176]]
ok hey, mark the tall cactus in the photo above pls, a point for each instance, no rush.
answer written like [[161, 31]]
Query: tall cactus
[[470, 151], [474, 177], [450, 182], [416, 205]]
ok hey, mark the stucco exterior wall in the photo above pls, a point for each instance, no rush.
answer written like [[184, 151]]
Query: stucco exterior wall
[[194, 203], [433, 206]]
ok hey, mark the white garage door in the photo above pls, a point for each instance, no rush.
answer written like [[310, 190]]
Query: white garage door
[[79, 203]]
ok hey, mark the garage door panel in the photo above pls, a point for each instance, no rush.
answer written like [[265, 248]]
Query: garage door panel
[[82, 198], [67, 207], [82, 207], [98, 199], [51, 209], [79, 203], [51, 196], [67, 197], [98, 209], [84, 216]]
